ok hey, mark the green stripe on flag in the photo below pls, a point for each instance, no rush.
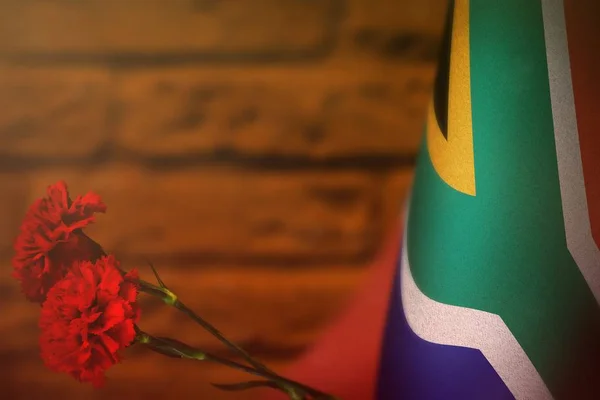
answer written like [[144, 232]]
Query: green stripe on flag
[[504, 250]]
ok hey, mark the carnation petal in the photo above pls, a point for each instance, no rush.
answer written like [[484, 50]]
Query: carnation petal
[[111, 345], [124, 332], [86, 342], [113, 314], [111, 281]]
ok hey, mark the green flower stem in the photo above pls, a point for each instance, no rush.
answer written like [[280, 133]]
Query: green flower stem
[[175, 348], [259, 369], [172, 300]]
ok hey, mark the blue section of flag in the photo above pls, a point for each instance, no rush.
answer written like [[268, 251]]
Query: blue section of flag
[[414, 369]]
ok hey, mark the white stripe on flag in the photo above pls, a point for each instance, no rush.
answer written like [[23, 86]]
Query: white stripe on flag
[[580, 241], [465, 327]]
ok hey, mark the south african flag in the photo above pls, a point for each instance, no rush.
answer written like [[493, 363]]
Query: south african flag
[[497, 290], [493, 290]]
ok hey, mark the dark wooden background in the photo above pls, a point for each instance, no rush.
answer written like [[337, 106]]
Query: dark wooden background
[[257, 151]]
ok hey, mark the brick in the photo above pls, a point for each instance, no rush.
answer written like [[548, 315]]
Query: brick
[[315, 112], [425, 17], [396, 186], [272, 312], [53, 113], [164, 28], [226, 212], [392, 30]]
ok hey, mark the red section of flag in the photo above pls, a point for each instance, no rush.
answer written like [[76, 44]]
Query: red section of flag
[[583, 34], [345, 361]]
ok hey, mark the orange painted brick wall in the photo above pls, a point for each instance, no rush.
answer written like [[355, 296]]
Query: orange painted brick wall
[[256, 151]]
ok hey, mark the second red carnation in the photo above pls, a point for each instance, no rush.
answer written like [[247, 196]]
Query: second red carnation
[[87, 319]]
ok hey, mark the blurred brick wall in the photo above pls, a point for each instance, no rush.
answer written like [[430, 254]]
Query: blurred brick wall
[[257, 151]]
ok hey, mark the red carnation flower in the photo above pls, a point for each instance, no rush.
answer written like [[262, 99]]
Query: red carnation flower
[[87, 318], [51, 239]]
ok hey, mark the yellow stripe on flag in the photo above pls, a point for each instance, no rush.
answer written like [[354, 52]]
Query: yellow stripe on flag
[[453, 158]]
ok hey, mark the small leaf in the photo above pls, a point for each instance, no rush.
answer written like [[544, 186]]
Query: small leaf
[[158, 279], [177, 344], [174, 348], [165, 351], [232, 387]]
